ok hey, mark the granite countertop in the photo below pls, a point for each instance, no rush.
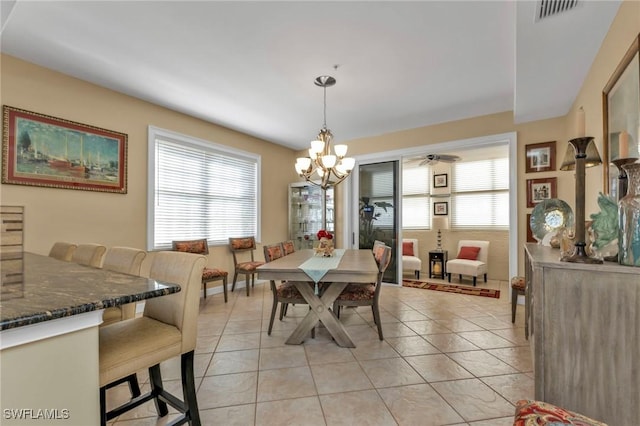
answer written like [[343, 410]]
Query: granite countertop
[[38, 288]]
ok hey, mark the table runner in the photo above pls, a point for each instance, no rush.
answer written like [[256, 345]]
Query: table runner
[[317, 267]]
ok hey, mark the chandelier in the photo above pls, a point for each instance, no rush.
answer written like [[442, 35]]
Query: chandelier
[[330, 169]]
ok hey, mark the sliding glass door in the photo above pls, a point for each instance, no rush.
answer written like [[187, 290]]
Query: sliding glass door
[[378, 196]]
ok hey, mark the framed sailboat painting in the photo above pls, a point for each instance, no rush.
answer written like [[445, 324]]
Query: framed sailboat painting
[[40, 150]]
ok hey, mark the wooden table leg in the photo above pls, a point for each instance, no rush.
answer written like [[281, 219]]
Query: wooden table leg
[[320, 312]]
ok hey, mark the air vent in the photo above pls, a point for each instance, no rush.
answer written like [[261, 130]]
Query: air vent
[[548, 8]]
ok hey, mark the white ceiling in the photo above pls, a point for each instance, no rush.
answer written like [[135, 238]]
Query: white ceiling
[[250, 66]]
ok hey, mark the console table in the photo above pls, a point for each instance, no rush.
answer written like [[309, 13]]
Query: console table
[[438, 263], [585, 335]]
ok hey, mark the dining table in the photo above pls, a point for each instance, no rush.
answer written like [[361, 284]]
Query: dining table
[[332, 274], [50, 312]]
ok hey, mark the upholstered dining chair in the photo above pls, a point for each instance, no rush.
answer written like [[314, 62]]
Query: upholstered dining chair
[[288, 247], [284, 292], [128, 261], [62, 251], [166, 329], [89, 255], [242, 249], [208, 274], [367, 294]]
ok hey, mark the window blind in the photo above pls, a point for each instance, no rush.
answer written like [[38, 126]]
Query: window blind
[[415, 197], [202, 192], [480, 194]]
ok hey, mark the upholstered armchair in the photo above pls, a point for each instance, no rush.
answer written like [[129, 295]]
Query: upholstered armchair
[[472, 259], [411, 256]]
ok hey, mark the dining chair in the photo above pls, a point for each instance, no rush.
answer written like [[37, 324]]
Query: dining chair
[[242, 249], [89, 255], [288, 247], [366, 294], [166, 329], [284, 292], [209, 275], [62, 251], [128, 261]]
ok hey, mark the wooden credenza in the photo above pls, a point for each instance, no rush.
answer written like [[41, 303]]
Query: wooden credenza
[[585, 335]]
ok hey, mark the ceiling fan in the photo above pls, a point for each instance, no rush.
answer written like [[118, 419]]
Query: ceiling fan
[[430, 159]]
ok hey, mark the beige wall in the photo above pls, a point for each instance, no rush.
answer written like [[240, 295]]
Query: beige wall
[[120, 219], [53, 214]]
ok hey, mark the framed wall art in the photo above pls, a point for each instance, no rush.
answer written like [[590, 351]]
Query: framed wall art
[[40, 150], [540, 157], [440, 181], [441, 208], [540, 189], [621, 115]]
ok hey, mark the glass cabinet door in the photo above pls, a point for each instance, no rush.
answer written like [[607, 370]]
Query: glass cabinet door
[[307, 213]]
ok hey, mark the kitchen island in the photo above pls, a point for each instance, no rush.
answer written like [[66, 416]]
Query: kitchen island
[[50, 311]]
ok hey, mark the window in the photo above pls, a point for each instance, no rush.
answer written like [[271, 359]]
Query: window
[[480, 195], [198, 189], [416, 213]]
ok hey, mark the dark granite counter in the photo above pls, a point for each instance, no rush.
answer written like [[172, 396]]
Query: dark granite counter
[[38, 288]]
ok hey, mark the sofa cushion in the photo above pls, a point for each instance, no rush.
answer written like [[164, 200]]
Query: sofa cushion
[[469, 253], [407, 248]]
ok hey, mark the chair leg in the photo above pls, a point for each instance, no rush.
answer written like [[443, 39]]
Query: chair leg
[[235, 278], [283, 310], [485, 278], [460, 278], [514, 302], [273, 315], [376, 318], [189, 389], [133, 385], [103, 406], [155, 380], [205, 289], [474, 281], [247, 280], [449, 276], [417, 274], [224, 288]]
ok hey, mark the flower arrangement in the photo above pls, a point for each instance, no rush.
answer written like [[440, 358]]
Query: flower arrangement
[[324, 234], [325, 245]]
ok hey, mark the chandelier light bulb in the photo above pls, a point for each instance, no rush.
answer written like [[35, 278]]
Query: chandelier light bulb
[[341, 150], [317, 146], [348, 163], [329, 161]]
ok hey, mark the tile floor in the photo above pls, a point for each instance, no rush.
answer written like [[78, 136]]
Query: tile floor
[[447, 359]]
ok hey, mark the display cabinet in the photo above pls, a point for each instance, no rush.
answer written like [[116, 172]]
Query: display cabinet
[[309, 211]]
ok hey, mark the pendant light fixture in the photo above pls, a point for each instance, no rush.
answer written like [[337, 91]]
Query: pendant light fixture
[[323, 167]]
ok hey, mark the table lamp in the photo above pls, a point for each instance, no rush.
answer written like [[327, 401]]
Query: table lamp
[[439, 222], [581, 153]]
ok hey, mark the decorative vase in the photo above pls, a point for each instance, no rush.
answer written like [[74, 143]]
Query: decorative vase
[[629, 215]]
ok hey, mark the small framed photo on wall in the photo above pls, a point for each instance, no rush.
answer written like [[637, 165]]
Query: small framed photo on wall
[[441, 208], [440, 181], [539, 190], [540, 157]]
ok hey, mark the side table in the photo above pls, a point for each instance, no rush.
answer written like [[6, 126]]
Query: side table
[[438, 263]]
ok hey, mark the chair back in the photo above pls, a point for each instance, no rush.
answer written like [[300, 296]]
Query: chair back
[[383, 258], [199, 246], [483, 254], [242, 245], [376, 244], [124, 259], [62, 251], [178, 309], [273, 252], [288, 247], [89, 255]]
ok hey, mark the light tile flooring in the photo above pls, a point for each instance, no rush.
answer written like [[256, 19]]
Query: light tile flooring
[[447, 359]]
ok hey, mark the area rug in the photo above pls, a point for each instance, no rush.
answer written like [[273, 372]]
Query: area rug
[[452, 288]]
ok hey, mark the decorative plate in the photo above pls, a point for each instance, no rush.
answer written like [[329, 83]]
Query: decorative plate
[[548, 216]]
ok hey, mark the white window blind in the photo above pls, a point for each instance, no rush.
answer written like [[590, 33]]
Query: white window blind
[[416, 213], [480, 194], [382, 192], [201, 191]]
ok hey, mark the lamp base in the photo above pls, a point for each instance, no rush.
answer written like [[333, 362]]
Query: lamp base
[[579, 255]]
